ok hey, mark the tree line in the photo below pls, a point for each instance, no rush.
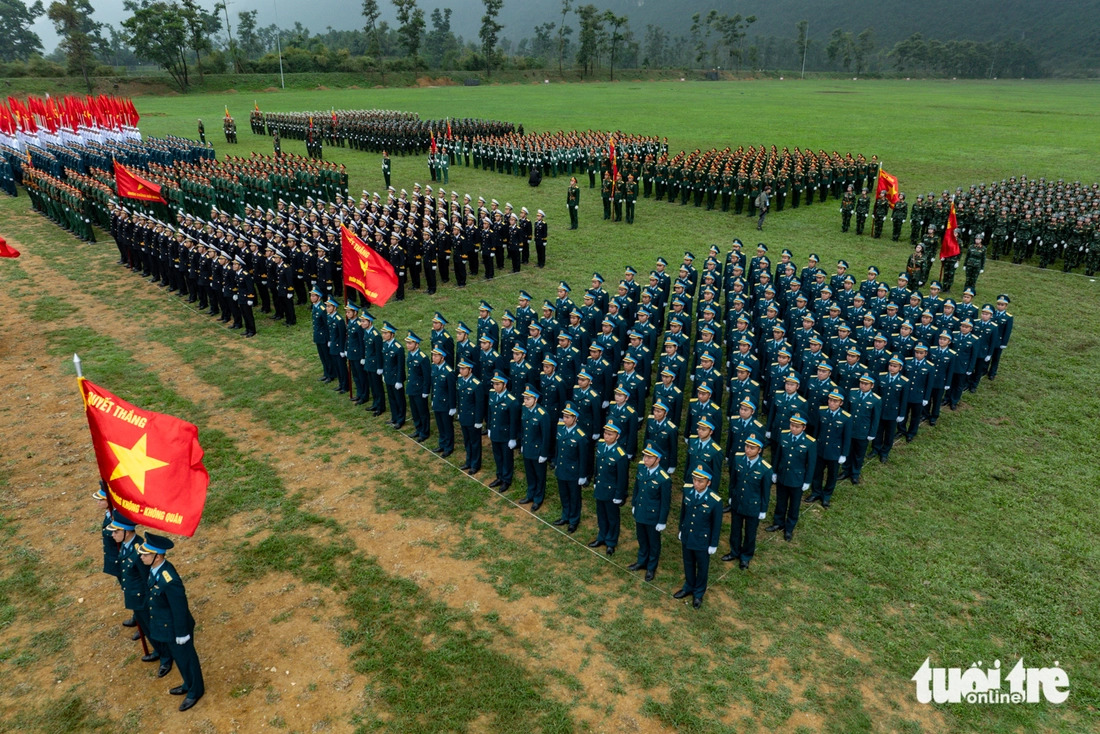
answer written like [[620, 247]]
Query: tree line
[[189, 40]]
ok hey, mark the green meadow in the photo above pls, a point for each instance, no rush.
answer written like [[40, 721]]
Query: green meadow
[[457, 611]]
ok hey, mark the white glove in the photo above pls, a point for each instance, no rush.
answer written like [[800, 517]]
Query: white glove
[[805, 486], [249, 303], [712, 550], [924, 403], [632, 511], [981, 271], [761, 516], [767, 434], [956, 266], [870, 438], [377, 371], [617, 502], [989, 358], [343, 355], [512, 444], [362, 361], [679, 536], [542, 459], [452, 411], [477, 425], [775, 477], [423, 395], [970, 373], [398, 386], [605, 404], [660, 526], [842, 459], [234, 298], [329, 343], [1004, 346], [289, 296], [582, 481], [183, 640], [595, 437], [901, 418]]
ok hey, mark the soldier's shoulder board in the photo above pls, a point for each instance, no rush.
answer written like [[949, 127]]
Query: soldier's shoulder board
[[740, 453], [715, 497], [844, 412], [823, 407], [693, 400], [802, 398], [447, 367], [754, 382], [664, 475], [167, 576], [811, 438], [629, 409], [951, 351], [904, 378], [561, 423], [766, 464], [621, 452]]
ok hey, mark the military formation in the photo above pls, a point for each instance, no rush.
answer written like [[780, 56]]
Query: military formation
[[154, 594], [697, 373]]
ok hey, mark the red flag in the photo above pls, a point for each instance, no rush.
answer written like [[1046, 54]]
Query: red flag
[[227, 112], [7, 250], [889, 183], [133, 186], [255, 105], [433, 142], [614, 163], [448, 129], [950, 245], [152, 462], [365, 270]]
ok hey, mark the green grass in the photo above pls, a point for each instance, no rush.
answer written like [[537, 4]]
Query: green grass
[[975, 543]]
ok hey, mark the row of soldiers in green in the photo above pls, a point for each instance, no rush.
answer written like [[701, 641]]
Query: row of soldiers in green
[[64, 204]]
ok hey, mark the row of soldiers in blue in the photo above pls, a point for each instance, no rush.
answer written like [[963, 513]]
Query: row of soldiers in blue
[[153, 591], [850, 407]]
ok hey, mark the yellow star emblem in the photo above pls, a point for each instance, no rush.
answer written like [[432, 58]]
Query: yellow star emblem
[[134, 462]]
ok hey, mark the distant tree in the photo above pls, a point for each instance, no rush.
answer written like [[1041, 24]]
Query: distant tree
[[372, 14], [411, 20], [616, 35], [591, 25], [701, 31], [563, 31], [841, 48], [732, 30], [80, 36], [18, 41], [201, 25], [803, 43], [158, 33], [864, 46], [248, 37], [116, 50], [542, 45], [440, 44], [490, 32], [656, 46]]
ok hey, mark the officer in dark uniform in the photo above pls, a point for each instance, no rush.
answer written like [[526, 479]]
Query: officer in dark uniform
[[834, 440], [110, 547], [418, 386], [866, 409], [471, 414], [750, 493], [170, 619], [792, 473], [371, 362], [609, 487], [133, 576], [571, 465], [504, 429], [535, 447], [893, 388], [700, 533], [393, 375], [444, 402], [650, 505]]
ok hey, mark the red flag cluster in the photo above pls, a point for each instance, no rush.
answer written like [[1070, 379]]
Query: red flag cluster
[[152, 462], [949, 247], [69, 112], [133, 186], [365, 270]]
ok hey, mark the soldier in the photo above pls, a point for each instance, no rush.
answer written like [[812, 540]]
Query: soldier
[[631, 196], [386, 167], [371, 362], [337, 344], [320, 335], [572, 200], [750, 493], [943, 358], [649, 506], [571, 464], [661, 433], [893, 388], [535, 447], [1004, 320], [897, 217], [605, 195], [866, 409], [133, 577], [444, 402], [170, 619], [975, 260], [882, 207], [504, 429], [609, 488], [834, 439], [847, 206], [393, 375], [921, 374], [795, 462], [355, 354], [469, 393], [700, 533], [202, 133], [863, 208], [418, 386], [541, 234]]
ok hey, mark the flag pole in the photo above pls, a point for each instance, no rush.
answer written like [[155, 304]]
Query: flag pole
[[76, 363]]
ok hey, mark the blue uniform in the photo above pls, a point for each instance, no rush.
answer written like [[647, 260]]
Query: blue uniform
[[700, 530], [170, 619], [571, 464], [393, 375], [535, 445], [650, 505], [793, 465], [444, 406], [834, 440], [418, 387], [866, 410], [504, 428], [894, 392], [750, 493], [610, 485], [921, 374], [471, 416]]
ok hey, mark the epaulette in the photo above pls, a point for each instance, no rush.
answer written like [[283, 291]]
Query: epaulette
[[809, 437], [951, 351], [166, 576], [630, 409], [844, 412], [740, 453], [621, 452], [671, 424], [823, 407], [755, 382], [802, 398], [786, 431], [448, 368], [542, 412], [1008, 314], [758, 423], [664, 475], [561, 423], [766, 464], [476, 382], [689, 486], [716, 497], [905, 378]]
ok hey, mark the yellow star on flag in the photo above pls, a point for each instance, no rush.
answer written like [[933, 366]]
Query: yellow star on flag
[[134, 462], [365, 265]]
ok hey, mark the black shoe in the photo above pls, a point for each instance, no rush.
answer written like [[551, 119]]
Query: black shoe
[[743, 565], [526, 501], [131, 622], [474, 470], [649, 575], [681, 594], [726, 509], [633, 567], [188, 703], [445, 454], [696, 603], [559, 522], [136, 636], [359, 401], [571, 529], [150, 658], [855, 480], [882, 458], [773, 527], [177, 691], [825, 504], [535, 507], [596, 544], [495, 483], [610, 550], [908, 439], [165, 669], [505, 487], [810, 500], [844, 475], [787, 536], [931, 422], [729, 557]]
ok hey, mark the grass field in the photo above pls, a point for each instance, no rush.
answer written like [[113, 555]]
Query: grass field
[[346, 579]]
